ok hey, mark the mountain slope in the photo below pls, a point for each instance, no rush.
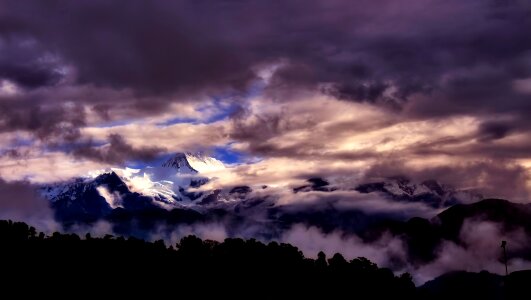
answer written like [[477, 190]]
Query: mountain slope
[[167, 187], [166, 183], [424, 237], [511, 215], [429, 192], [483, 285], [193, 163]]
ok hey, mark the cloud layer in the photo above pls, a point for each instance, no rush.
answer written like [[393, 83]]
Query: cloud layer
[[346, 90]]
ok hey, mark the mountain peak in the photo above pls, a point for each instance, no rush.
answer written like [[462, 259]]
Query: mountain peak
[[189, 162], [180, 162]]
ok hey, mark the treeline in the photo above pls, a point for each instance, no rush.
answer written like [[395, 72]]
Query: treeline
[[235, 268]]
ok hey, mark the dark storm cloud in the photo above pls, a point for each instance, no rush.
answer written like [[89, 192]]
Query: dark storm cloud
[[150, 46], [116, 151], [20, 201], [489, 131], [356, 47], [47, 122], [417, 49], [481, 91], [26, 64], [424, 59]]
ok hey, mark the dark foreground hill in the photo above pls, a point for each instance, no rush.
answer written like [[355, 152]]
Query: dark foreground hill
[[425, 236], [483, 285], [233, 269], [66, 265]]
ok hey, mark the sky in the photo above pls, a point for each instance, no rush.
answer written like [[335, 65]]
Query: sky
[[279, 90]]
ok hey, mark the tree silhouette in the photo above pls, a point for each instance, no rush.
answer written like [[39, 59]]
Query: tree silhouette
[[234, 268]]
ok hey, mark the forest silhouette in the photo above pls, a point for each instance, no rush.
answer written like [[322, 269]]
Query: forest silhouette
[[62, 264]]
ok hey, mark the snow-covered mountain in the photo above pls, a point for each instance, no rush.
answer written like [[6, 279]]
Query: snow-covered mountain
[[429, 192], [174, 192], [170, 185], [165, 193], [193, 163]]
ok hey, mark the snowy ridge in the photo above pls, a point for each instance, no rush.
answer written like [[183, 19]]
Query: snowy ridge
[[180, 162], [55, 191], [203, 163], [193, 163], [430, 192], [176, 184], [167, 185]]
